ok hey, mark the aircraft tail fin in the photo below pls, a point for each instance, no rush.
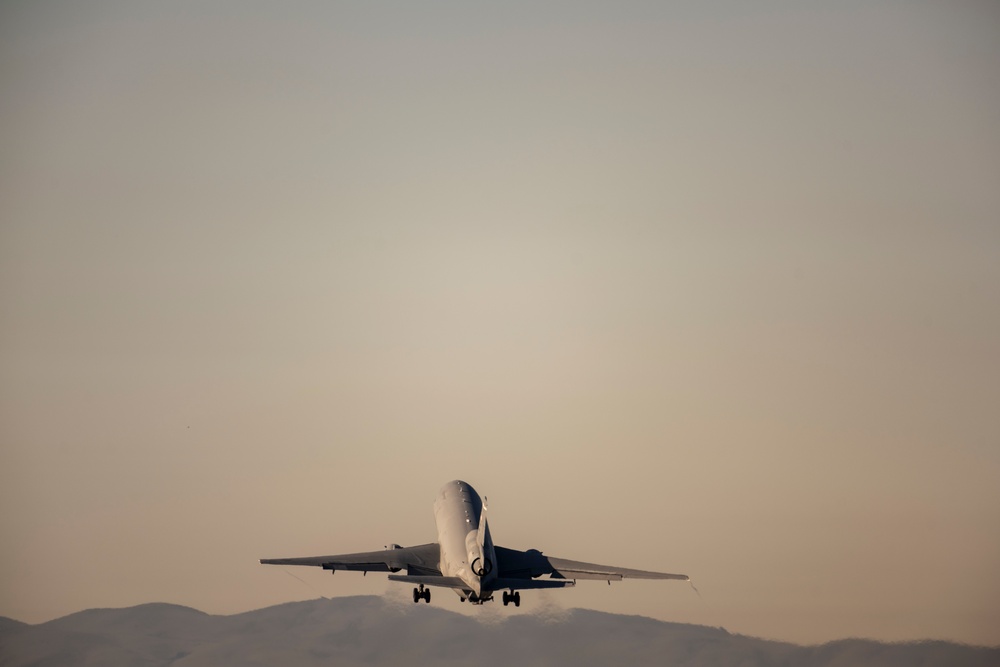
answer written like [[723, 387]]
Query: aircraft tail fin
[[483, 560], [484, 530]]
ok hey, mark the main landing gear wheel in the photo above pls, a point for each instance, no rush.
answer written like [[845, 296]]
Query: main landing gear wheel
[[422, 594], [514, 596]]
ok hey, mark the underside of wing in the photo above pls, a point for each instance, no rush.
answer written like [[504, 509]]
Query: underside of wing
[[526, 584], [529, 564], [495, 584], [417, 560], [573, 569], [430, 580]]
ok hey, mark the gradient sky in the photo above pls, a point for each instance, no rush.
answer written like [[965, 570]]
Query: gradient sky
[[709, 288]]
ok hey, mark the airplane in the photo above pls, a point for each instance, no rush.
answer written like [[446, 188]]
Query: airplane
[[465, 559]]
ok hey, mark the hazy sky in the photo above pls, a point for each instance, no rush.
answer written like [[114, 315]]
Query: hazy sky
[[709, 288]]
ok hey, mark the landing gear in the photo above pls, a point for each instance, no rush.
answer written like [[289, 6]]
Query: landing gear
[[422, 594], [513, 596]]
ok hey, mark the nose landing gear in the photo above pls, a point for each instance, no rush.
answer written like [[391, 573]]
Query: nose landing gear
[[422, 594], [513, 596]]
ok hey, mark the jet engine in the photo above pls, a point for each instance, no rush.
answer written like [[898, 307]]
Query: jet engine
[[482, 566]]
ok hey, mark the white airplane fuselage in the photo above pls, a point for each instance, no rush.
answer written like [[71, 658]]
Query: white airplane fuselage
[[466, 546]]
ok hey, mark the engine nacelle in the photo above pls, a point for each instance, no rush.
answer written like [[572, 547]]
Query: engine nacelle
[[482, 566]]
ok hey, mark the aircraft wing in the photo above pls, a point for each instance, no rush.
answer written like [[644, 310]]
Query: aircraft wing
[[574, 569], [421, 559], [430, 580], [526, 584], [515, 564]]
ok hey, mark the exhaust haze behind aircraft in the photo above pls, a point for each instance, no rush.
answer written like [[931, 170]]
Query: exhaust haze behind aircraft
[[465, 559]]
